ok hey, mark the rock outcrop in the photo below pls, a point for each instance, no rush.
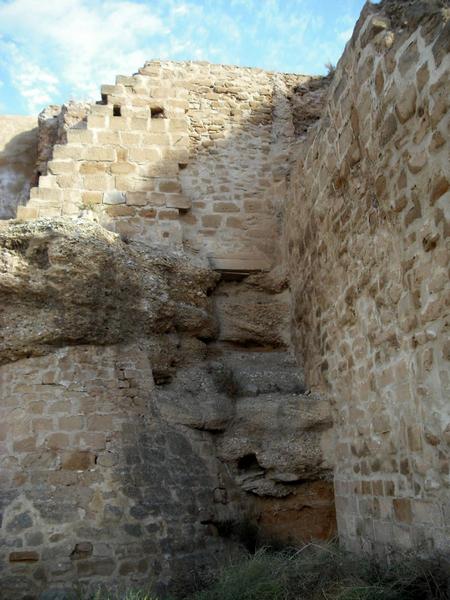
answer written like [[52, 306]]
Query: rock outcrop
[[69, 282]]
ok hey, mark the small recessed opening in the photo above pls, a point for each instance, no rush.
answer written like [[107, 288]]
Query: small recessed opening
[[248, 462], [104, 99], [182, 166], [117, 112], [157, 112]]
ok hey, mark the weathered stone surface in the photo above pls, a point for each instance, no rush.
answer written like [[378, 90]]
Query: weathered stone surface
[[275, 439], [18, 149], [148, 410], [54, 122], [366, 247], [74, 282]]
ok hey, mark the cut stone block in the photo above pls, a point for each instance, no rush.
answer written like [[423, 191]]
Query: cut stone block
[[178, 201], [114, 198], [239, 264]]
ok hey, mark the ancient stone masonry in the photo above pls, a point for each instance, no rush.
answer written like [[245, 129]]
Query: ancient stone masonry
[[185, 153], [227, 287], [367, 243], [136, 445], [152, 416]]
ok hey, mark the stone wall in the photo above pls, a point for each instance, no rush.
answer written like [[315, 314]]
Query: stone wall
[[186, 231], [97, 487], [367, 244], [18, 147], [138, 448], [183, 153]]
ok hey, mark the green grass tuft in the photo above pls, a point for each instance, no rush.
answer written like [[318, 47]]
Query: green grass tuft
[[318, 572]]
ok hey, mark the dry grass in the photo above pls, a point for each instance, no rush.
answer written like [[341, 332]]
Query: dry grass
[[319, 572]]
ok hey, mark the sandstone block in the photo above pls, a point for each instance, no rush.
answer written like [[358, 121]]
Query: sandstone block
[[169, 187], [24, 556], [110, 138], [211, 221], [96, 182], [91, 198], [122, 168], [100, 153], [116, 90], [120, 210], [57, 441], [50, 194], [80, 136], [225, 207], [170, 215], [100, 422], [79, 460], [156, 139], [131, 138], [406, 104], [61, 167], [138, 124], [119, 124], [25, 445], [158, 126], [143, 155], [137, 198], [74, 151], [402, 510], [92, 168], [72, 423], [147, 213], [26, 212], [178, 201]]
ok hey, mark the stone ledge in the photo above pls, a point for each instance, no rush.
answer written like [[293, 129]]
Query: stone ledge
[[243, 264]]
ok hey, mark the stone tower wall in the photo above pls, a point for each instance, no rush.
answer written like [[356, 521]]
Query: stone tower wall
[[367, 243]]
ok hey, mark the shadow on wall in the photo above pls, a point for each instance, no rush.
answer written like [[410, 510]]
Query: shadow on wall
[[17, 170]]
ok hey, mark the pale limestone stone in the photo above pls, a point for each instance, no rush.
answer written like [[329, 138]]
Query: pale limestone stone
[[114, 198]]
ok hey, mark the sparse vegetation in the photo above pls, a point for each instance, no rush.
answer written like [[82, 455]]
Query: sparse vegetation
[[320, 572], [330, 69]]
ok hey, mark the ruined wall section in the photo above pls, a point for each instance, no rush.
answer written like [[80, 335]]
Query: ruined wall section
[[181, 153], [367, 243], [53, 123], [18, 148], [97, 488]]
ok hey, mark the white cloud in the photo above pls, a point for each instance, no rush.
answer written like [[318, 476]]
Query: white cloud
[[85, 43], [62, 49]]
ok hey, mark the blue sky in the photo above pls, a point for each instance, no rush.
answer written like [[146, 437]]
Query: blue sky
[[55, 50]]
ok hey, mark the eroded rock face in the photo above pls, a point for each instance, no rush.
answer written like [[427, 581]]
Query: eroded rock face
[[53, 123], [18, 146], [72, 282], [267, 430]]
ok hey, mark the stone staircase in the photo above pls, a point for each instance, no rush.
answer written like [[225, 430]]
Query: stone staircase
[[121, 163]]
